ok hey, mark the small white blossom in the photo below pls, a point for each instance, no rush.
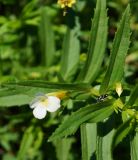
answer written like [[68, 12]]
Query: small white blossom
[[44, 103]]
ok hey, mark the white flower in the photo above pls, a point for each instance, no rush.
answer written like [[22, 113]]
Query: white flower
[[44, 103]]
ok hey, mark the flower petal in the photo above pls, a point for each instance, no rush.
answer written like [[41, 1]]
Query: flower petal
[[53, 104], [37, 100], [34, 104], [39, 111]]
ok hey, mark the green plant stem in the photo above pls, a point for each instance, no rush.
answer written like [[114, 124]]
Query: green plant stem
[[134, 146], [104, 151], [88, 140]]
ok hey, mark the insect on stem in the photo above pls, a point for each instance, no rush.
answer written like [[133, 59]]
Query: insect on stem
[[102, 98]]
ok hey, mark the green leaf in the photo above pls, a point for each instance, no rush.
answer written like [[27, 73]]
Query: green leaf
[[97, 44], [70, 52], [8, 156], [15, 100], [8, 91], [104, 141], [123, 130], [63, 147], [120, 47], [88, 140], [46, 39], [21, 93], [95, 113], [28, 9], [134, 147], [133, 96], [49, 85], [106, 151], [26, 143], [17, 96]]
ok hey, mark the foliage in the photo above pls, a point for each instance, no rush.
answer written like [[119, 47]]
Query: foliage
[[44, 50]]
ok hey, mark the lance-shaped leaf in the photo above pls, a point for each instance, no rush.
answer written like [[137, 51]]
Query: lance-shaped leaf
[[104, 140], [62, 147], [95, 113], [133, 96], [97, 44], [122, 132], [49, 85], [120, 47], [15, 100], [17, 96], [9, 92], [88, 140], [134, 147], [70, 52], [46, 39], [21, 93]]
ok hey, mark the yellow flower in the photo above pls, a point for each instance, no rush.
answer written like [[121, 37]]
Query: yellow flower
[[66, 3]]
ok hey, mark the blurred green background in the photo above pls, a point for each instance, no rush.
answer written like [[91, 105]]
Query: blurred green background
[[31, 40]]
